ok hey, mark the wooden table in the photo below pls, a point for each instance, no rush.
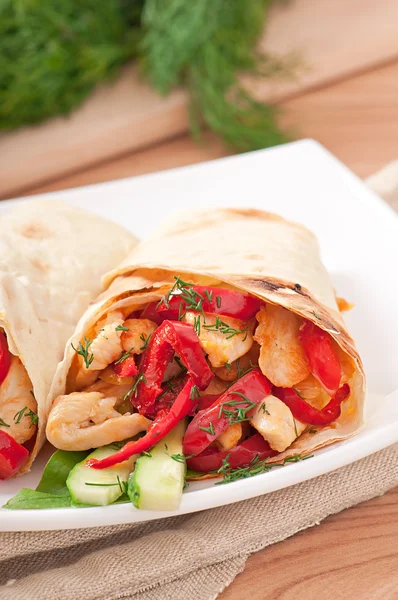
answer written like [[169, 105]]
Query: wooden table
[[353, 555]]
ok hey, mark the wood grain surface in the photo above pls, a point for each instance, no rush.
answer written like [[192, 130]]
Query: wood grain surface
[[352, 555], [356, 119], [329, 40]]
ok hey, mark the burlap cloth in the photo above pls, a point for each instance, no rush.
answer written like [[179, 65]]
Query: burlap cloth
[[193, 557]]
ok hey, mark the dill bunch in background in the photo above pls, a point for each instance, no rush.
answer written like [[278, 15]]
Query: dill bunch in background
[[54, 52]]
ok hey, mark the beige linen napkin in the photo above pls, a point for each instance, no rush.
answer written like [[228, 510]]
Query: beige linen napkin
[[193, 557]]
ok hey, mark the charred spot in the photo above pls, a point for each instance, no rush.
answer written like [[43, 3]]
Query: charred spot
[[297, 287], [264, 284]]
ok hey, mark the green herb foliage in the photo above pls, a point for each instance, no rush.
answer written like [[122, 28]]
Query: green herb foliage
[[83, 350], [234, 411], [53, 52], [206, 45], [51, 491], [256, 467], [226, 329]]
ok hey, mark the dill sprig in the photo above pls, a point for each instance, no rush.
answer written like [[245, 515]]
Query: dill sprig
[[256, 467], [83, 350], [25, 412], [125, 354], [53, 54], [134, 388], [206, 45], [226, 329], [190, 299], [3, 423], [210, 429], [146, 339], [234, 411]]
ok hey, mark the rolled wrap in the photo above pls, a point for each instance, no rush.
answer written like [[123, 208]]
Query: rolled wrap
[[252, 251], [52, 258]]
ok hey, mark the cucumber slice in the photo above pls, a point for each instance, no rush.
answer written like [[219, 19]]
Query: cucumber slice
[[98, 487], [158, 480]]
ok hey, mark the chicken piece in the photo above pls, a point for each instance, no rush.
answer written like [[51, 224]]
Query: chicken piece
[[282, 359], [216, 386], [274, 420], [18, 407], [229, 438], [106, 346], [134, 339], [309, 388], [84, 420], [232, 371], [217, 339]]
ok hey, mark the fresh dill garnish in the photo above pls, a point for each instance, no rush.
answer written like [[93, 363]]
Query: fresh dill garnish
[[182, 367], [122, 328], [181, 458], [18, 416], [243, 370], [295, 427], [24, 412], [33, 395], [124, 356], [313, 431], [145, 339], [226, 329], [209, 429], [316, 315], [134, 388], [218, 301], [209, 295], [121, 484], [196, 325], [190, 299], [195, 394], [256, 467], [3, 423], [33, 417], [228, 366], [264, 408], [146, 453], [83, 351], [239, 413]]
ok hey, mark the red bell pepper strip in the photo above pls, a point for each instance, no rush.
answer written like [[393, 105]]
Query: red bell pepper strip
[[126, 368], [211, 459], [166, 399], [150, 312], [216, 301], [302, 411], [12, 455], [322, 358], [207, 400], [5, 357], [160, 427], [208, 424], [169, 338]]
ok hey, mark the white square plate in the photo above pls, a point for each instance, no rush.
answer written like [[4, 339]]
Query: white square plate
[[358, 235]]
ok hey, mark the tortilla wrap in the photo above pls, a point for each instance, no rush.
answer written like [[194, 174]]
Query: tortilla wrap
[[52, 258], [251, 251]]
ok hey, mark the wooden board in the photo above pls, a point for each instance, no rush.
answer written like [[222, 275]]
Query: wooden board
[[330, 39], [356, 119]]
